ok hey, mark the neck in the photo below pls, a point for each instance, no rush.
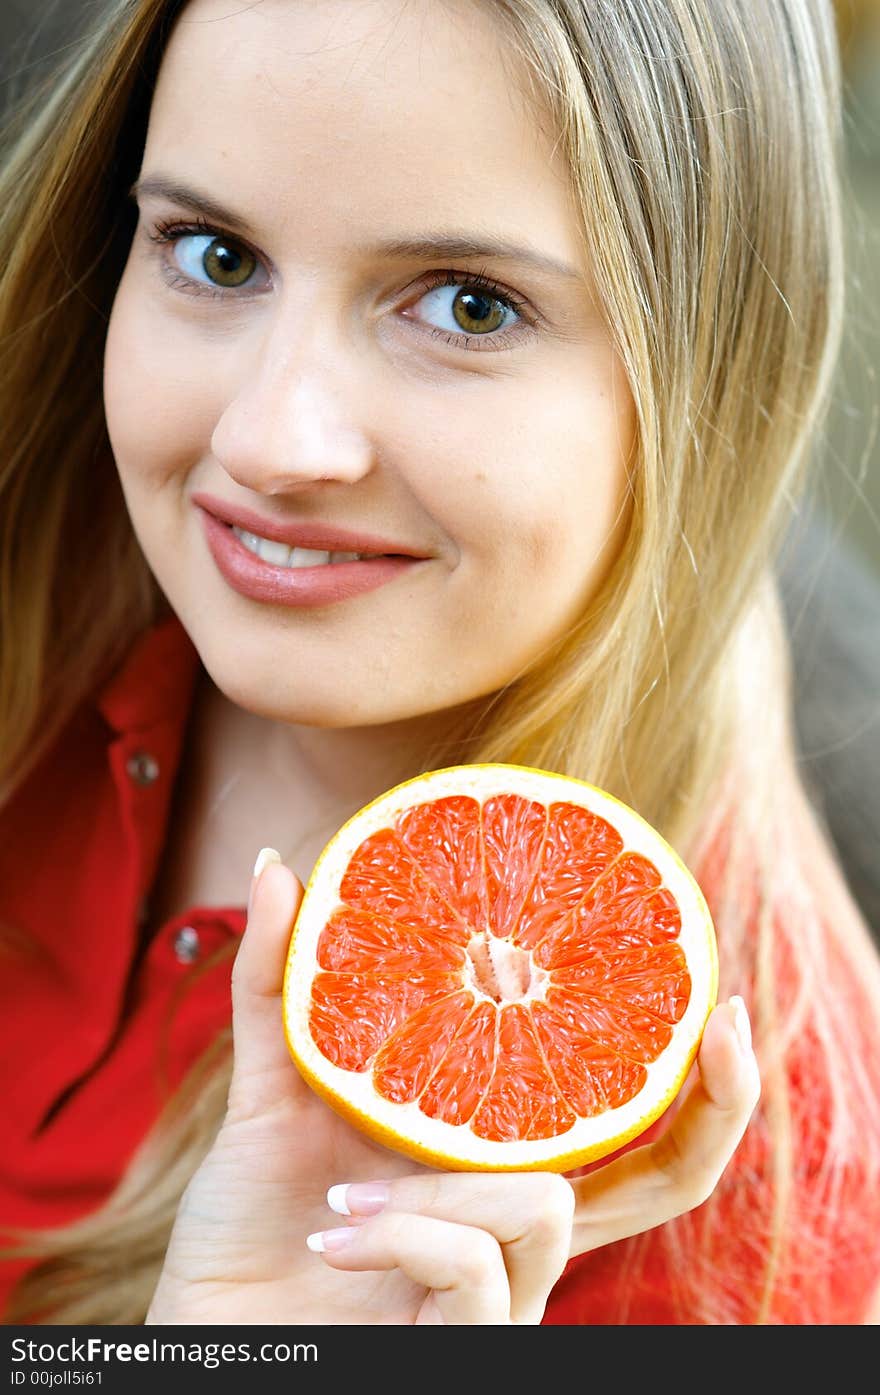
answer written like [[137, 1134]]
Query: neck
[[300, 783]]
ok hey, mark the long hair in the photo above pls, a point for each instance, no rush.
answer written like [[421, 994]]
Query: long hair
[[702, 138]]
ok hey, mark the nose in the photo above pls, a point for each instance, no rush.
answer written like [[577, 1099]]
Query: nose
[[293, 423]]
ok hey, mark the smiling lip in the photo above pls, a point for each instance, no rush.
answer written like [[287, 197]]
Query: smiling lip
[[320, 536], [295, 586]]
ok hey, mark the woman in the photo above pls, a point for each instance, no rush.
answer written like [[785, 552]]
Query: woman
[[613, 418]]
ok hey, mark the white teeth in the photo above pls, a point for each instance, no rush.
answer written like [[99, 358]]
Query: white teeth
[[300, 557], [280, 555], [249, 539]]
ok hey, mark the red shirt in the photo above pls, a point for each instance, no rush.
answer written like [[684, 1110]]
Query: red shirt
[[97, 1029]]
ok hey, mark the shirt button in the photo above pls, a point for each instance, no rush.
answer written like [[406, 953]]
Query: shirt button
[[143, 768], [186, 945]]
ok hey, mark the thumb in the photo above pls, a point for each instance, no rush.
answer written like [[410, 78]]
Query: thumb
[[262, 1067]]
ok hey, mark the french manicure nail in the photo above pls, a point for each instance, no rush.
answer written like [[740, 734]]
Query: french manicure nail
[[358, 1198], [264, 857], [326, 1240], [741, 1024]]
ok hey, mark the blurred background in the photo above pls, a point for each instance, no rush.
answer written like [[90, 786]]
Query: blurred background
[[830, 566], [850, 482]]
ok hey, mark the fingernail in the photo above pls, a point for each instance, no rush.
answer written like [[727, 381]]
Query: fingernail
[[741, 1024], [323, 1240], [358, 1198], [264, 856]]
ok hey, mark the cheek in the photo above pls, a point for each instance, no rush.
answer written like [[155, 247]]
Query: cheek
[[156, 393], [597, 459], [566, 504]]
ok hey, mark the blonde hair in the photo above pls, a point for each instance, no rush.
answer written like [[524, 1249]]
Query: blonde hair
[[702, 138]]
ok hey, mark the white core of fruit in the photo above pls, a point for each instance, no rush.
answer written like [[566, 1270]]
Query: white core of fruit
[[499, 971]]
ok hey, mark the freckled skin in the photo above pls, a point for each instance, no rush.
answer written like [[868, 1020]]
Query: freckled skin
[[321, 394]]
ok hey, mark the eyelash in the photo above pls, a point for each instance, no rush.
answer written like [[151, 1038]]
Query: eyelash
[[168, 232]]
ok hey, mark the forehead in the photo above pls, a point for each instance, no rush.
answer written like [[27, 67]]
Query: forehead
[[334, 116]]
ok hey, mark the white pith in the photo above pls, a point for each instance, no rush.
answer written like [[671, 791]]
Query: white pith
[[459, 1142], [498, 971], [280, 555]]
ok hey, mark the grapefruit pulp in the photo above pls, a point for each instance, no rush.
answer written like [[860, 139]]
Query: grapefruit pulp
[[495, 967]]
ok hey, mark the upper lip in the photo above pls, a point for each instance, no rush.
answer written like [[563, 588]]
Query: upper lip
[[319, 536]]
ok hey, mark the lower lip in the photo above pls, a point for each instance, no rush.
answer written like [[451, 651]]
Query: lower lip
[[261, 581]]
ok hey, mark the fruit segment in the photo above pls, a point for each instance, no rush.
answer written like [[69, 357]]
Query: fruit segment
[[522, 1101], [445, 840], [358, 942], [351, 1015], [661, 985], [579, 846], [616, 1026], [383, 877], [618, 899], [513, 837], [642, 928], [591, 1076], [463, 1077], [406, 1062]]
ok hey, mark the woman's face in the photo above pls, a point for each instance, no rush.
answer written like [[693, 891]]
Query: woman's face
[[308, 363]]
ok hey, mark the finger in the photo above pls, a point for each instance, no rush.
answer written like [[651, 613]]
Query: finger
[[260, 1051], [461, 1264], [529, 1214], [650, 1185]]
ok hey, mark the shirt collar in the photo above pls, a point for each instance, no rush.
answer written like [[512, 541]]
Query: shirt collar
[[155, 681]]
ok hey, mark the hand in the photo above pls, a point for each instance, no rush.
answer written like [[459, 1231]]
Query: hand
[[679, 1170], [444, 1247], [526, 1217]]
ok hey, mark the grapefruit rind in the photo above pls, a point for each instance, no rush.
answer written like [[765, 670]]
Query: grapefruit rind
[[403, 1127]]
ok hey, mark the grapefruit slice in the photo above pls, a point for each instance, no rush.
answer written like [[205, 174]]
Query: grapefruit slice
[[499, 968]]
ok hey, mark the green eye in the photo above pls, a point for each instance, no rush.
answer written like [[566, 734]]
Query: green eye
[[468, 308], [223, 262], [462, 307], [478, 313]]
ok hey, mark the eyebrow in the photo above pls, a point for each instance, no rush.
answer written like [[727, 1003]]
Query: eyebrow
[[426, 248]]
